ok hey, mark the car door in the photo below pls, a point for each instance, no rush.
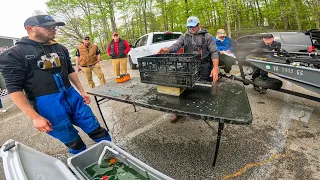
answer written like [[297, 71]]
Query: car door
[[140, 49]]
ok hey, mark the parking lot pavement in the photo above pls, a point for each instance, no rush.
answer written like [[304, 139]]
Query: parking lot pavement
[[281, 143]]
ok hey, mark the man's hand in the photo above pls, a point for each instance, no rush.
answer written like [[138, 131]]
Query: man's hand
[[163, 51], [86, 98], [42, 124], [214, 74], [78, 68], [221, 52], [228, 51]]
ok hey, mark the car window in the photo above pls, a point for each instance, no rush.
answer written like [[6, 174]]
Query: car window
[[137, 43], [243, 40], [143, 41], [164, 37], [296, 39], [249, 39]]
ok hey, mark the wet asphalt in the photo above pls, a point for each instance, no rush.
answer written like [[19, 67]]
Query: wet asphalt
[[281, 143]]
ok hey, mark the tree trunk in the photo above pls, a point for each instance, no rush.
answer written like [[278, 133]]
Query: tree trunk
[[253, 14], [228, 17], [214, 12], [111, 14], [186, 10], [297, 15], [162, 5], [283, 15], [145, 16], [317, 13], [260, 13]]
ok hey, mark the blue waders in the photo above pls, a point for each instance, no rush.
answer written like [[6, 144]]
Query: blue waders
[[65, 109]]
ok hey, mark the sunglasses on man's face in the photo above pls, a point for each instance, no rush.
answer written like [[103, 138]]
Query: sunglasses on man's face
[[86, 38], [115, 35], [193, 26], [47, 27]]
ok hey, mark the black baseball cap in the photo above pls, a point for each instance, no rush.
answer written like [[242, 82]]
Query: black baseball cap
[[42, 20], [267, 36]]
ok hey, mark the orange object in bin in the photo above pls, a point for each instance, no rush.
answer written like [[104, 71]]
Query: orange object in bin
[[112, 161]]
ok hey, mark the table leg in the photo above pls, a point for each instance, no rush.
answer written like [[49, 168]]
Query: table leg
[[242, 72], [221, 125], [95, 98], [134, 106]]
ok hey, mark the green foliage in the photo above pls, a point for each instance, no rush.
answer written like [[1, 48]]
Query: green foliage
[[105, 57], [131, 18]]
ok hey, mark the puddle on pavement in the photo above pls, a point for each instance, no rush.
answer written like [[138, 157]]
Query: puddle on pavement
[[115, 170]]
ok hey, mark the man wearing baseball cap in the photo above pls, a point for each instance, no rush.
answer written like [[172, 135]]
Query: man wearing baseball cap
[[268, 44], [41, 67], [118, 49], [225, 46], [88, 60], [198, 40]]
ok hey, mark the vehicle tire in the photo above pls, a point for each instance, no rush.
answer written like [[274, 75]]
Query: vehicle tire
[[132, 66], [269, 83]]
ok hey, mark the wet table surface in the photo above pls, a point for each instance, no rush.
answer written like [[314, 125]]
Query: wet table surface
[[126, 92], [227, 103]]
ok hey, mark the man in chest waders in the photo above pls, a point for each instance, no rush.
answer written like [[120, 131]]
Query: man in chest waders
[[38, 75]]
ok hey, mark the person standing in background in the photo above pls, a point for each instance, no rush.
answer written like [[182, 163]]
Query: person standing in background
[[87, 59], [118, 49]]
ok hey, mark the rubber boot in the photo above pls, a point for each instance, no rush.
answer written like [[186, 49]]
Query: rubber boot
[[119, 79], [126, 77]]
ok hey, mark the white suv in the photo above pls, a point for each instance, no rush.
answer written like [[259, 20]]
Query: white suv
[[149, 44]]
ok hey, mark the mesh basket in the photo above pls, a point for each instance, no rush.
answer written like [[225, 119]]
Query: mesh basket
[[178, 70]]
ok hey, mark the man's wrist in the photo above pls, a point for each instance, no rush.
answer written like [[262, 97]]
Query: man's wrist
[[34, 116]]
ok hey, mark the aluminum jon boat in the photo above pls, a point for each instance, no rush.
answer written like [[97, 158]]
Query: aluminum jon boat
[[301, 70]]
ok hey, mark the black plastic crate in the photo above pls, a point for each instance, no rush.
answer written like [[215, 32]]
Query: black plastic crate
[[178, 70]]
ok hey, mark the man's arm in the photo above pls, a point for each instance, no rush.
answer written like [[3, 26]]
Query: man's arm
[[77, 60], [214, 56], [73, 77], [109, 50], [177, 45], [76, 82], [14, 72], [277, 45], [39, 122], [98, 57], [98, 53], [174, 47], [126, 51]]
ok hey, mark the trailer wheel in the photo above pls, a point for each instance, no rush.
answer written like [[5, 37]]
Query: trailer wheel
[[269, 83]]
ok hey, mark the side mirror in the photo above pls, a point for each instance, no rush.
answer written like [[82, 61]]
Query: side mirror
[[131, 46]]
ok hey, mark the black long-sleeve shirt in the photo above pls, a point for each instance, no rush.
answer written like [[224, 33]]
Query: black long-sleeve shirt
[[31, 66]]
